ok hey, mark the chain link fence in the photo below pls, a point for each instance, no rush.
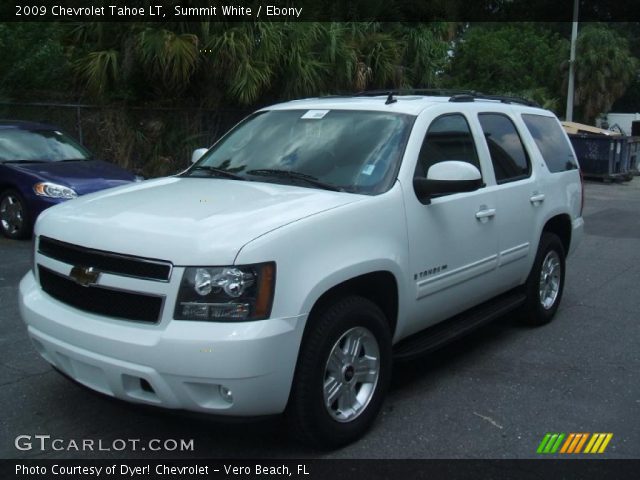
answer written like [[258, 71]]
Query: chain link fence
[[149, 141]]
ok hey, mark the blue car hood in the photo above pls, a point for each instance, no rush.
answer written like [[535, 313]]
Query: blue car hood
[[84, 176]]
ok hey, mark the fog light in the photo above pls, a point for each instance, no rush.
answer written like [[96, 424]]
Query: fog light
[[196, 311], [214, 311], [226, 394]]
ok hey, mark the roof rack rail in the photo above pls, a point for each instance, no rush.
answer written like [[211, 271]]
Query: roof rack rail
[[436, 92], [472, 97], [455, 95]]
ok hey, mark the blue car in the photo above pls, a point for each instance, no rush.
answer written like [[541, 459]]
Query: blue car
[[41, 166]]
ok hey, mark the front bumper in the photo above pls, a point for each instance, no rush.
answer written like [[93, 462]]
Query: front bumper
[[176, 364]]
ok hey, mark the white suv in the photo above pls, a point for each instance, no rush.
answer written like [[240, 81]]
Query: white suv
[[315, 242]]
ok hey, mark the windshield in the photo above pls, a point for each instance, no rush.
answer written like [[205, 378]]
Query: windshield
[[355, 151], [39, 146]]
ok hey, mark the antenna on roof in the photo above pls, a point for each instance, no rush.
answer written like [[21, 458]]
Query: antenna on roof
[[390, 99]]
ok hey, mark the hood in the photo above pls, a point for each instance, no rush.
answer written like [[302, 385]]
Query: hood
[[84, 176], [189, 221]]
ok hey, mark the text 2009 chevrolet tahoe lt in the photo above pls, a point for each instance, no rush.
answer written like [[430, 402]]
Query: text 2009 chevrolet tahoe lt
[[317, 240]]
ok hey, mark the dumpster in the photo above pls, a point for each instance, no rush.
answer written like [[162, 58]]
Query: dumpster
[[633, 153], [604, 157], [625, 160]]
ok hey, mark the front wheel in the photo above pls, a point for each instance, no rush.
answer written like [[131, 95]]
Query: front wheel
[[13, 215], [343, 372], [546, 281]]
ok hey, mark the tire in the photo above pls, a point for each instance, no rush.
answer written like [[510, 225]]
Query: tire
[[545, 284], [331, 404], [14, 218]]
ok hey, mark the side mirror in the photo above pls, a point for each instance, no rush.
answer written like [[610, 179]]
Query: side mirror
[[451, 176], [197, 154]]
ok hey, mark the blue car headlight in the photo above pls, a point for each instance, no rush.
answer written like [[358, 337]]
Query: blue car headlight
[[53, 190]]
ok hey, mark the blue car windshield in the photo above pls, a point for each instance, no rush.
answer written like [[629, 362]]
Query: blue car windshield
[[347, 150], [39, 146]]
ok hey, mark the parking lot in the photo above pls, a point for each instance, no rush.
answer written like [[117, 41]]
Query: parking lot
[[493, 394]]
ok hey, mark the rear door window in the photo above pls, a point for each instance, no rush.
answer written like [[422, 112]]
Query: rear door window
[[508, 156]]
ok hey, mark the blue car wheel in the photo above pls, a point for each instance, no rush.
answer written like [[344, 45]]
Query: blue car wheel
[[13, 215]]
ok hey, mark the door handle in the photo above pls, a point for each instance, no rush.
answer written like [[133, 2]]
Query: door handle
[[537, 198], [484, 215]]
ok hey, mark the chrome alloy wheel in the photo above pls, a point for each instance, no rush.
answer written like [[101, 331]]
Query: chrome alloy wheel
[[351, 374], [11, 214], [550, 279]]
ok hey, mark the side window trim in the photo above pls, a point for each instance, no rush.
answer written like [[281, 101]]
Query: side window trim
[[526, 151]]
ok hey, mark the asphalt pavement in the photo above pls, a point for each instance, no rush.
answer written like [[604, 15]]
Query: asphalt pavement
[[493, 394]]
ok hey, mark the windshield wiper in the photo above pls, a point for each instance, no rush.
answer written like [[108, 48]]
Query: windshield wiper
[[268, 172], [218, 171]]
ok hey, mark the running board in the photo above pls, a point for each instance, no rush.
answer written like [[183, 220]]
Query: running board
[[442, 333]]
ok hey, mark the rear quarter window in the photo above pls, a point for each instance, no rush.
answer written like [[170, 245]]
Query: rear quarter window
[[552, 142]]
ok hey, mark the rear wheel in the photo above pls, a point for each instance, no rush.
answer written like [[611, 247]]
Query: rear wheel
[[342, 374], [13, 215], [546, 281]]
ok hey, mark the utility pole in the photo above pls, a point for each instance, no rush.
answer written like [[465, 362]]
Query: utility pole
[[572, 61]]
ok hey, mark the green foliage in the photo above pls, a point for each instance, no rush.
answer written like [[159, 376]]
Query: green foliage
[[224, 66], [240, 59], [248, 61], [604, 69], [426, 54], [33, 59], [499, 58], [209, 63], [337, 48], [168, 57], [303, 69], [99, 70]]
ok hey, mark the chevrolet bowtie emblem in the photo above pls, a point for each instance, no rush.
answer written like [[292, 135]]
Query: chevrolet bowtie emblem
[[84, 276]]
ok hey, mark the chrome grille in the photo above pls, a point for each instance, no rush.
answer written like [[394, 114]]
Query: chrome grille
[[107, 262], [101, 300]]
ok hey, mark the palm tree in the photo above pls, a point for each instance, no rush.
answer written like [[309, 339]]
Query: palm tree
[[170, 58], [99, 70], [426, 53], [604, 70], [98, 66], [244, 62]]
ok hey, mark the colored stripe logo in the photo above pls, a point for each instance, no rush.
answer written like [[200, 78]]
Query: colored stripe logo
[[574, 443]]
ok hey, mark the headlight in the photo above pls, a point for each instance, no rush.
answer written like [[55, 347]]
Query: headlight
[[226, 294], [53, 190]]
